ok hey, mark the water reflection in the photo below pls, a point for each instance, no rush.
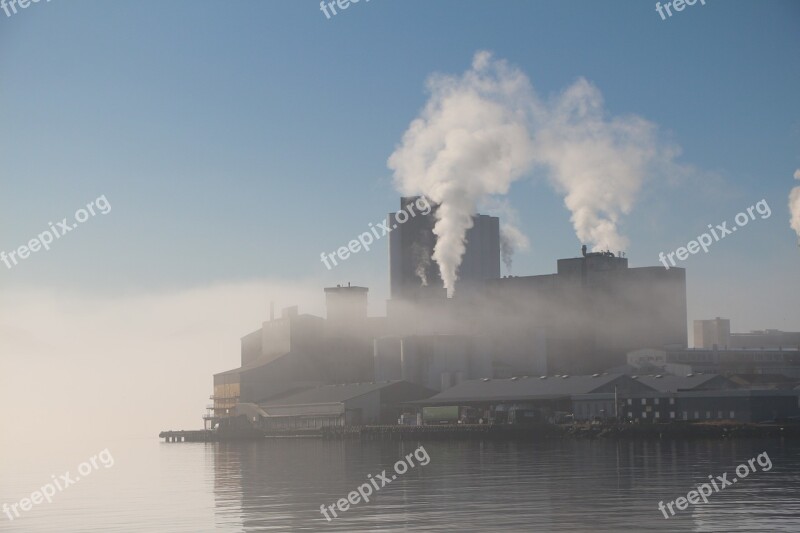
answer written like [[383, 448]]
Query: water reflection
[[569, 485]]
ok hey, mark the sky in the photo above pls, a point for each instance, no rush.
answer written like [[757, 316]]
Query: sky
[[235, 142]]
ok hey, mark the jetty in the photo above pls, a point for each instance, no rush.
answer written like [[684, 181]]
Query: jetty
[[197, 435]]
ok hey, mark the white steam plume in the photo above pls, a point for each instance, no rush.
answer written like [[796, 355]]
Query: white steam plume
[[481, 131], [599, 163], [471, 140], [794, 206]]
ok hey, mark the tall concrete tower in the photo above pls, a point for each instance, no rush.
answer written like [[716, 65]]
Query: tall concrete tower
[[412, 270]]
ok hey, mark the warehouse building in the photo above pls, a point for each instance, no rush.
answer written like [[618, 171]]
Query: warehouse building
[[537, 399], [741, 405], [352, 404]]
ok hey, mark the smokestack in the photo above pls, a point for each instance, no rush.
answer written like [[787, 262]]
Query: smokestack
[[583, 250], [483, 130], [470, 142]]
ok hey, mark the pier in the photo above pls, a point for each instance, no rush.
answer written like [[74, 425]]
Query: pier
[[445, 431], [198, 435], [624, 431]]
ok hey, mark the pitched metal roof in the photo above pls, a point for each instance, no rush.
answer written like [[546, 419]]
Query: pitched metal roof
[[329, 394], [670, 383], [523, 388]]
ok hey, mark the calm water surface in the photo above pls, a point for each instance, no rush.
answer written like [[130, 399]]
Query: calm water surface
[[279, 485]]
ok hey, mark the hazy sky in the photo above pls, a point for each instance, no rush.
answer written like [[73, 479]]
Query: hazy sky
[[235, 141]]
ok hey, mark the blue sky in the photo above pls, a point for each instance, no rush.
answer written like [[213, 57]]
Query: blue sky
[[236, 141]]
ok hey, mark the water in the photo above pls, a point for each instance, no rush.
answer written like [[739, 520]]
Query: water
[[279, 485]]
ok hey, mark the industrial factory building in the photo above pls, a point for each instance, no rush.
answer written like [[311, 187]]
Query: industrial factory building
[[595, 309], [583, 319]]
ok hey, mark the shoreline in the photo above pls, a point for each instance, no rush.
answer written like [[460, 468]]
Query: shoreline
[[674, 431]]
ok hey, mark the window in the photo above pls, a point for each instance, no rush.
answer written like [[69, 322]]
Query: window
[[672, 414], [630, 414], [644, 401], [672, 401], [719, 414], [630, 401], [697, 414], [733, 414], [658, 415], [708, 415], [644, 415], [685, 415], [655, 401]]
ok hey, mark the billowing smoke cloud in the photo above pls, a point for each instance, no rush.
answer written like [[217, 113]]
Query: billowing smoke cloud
[[599, 163], [794, 206], [481, 131], [471, 140]]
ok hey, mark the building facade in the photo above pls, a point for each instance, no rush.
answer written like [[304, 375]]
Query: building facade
[[712, 333]]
